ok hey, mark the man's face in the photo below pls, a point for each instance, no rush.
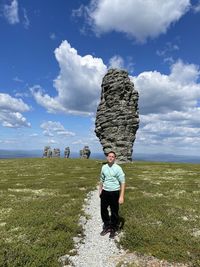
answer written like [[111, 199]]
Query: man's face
[[111, 158]]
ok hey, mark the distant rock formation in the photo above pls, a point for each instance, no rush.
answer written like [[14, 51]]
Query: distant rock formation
[[56, 152], [67, 152], [117, 117], [47, 153], [85, 152]]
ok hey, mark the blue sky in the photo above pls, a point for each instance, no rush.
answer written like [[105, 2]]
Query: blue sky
[[54, 54]]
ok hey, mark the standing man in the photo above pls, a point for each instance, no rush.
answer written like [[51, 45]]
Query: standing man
[[111, 192]]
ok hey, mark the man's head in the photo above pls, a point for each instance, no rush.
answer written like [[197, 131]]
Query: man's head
[[111, 156]]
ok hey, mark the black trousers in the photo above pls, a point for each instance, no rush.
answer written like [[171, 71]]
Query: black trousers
[[110, 199]]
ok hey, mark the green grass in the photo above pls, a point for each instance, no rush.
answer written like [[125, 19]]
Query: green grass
[[162, 211], [41, 201], [40, 204]]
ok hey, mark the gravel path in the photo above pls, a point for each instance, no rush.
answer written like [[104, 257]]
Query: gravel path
[[94, 250], [100, 251]]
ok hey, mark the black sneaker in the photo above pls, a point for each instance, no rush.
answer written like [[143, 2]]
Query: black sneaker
[[112, 233], [105, 231]]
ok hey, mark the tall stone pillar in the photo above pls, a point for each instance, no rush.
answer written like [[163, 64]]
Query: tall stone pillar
[[117, 117]]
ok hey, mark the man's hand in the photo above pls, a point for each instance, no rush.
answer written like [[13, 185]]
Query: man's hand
[[100, 188], [122, 191], [121, 200], [100, 191]]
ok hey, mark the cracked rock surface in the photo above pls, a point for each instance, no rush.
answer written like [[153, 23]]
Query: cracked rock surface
[[117, 117]]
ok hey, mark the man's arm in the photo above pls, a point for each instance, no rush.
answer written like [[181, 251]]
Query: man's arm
[[122, 192], [100, 187]]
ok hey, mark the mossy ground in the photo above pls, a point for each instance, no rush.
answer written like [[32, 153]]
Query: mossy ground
[[40, 204], [162, 211], [41, 201]]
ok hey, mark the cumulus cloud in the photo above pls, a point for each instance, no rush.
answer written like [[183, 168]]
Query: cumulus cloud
[[51, 104], [13, 119], [172, 132], [168, 104], [13, 104], [169, 107], [161, 93], [11, 12], [53, 128], [78, 83], [136, 18], [10, 112], [185, 74]]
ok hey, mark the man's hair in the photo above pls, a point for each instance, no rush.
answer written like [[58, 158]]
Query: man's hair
[[112, 153]]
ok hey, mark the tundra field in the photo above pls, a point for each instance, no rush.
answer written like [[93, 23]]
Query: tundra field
[[41, 202]]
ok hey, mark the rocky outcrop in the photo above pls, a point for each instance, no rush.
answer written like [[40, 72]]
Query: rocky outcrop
[[85, 152], [47, 153], [67, 152], [56, 152], [117, 117]]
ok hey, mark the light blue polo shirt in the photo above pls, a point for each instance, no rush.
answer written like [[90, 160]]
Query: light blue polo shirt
[[112, 177]]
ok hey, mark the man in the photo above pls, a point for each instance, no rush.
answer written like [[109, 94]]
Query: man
[[111, 192]]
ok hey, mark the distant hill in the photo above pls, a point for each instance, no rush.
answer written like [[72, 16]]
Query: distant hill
[[167, 158], [20, 153], [4, 154]]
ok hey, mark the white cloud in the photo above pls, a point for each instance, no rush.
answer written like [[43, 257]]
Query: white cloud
[[65, 133], [11, 12], [120, 63], [161, 93], [13, 119], [116, 62], [26, 21], [9, 141], [12, 104], [81, 11], [10, 112], [47, 133], [16, 79], [80, 142], [196, 8], [52, 36], [168, 136], [34, 135], [52, 141], [78, 83], [168, 49], [168, 104], [185, 74], [52, 128], [169, 109], [137, 18], [51, 104]]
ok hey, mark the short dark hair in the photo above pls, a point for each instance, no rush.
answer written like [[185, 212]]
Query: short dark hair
[[112, 153]]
